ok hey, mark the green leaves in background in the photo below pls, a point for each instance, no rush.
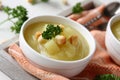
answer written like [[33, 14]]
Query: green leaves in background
[[17, 16], [77, 8], [44, 0], [107, 77]]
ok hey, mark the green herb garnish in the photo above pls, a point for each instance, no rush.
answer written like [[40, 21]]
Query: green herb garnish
[[77, 8], [107, 77], [44, 0], [36, 1], [51, 31], [17, 16]]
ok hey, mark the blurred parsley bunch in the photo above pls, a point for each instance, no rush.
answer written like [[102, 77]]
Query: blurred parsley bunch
[[35, 1], [77, 8], [107, 77], [17, 16], [44, 0]]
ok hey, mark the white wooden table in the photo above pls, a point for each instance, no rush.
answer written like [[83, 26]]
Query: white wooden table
[[53, 7]]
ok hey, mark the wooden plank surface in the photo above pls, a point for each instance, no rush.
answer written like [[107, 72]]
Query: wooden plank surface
[[9, 66]]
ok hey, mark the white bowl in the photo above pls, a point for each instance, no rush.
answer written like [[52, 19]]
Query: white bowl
[[112, 43], [65, 68]]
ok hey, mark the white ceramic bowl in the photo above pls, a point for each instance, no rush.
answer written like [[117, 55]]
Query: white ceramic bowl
[[112, 44], [65, 68]]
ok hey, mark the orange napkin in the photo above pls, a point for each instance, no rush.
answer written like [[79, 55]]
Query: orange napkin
[[101, 62]]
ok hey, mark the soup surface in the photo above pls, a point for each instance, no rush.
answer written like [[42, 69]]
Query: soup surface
[[116, 29], [69, 45]]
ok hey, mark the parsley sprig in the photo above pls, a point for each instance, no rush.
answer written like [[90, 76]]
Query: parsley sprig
[[36, 1], [17, 16], [107, 77], [51, 31], [77, 8], [44, 0]]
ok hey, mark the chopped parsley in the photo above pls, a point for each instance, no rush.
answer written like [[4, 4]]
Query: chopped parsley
[[107, 77], [77, 8], [51, 31], [17, 16]]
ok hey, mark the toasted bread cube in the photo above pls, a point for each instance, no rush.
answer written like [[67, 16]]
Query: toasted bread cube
[[74, 40], [37, 34], [41, 40], [60, 39]]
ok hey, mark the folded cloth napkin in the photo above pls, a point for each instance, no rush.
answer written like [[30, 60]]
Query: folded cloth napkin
[[101, 62]]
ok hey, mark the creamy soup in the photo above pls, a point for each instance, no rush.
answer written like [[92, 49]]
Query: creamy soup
[[116, 29], [69, 45]]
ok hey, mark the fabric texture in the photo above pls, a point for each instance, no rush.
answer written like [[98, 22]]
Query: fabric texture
[[101, 62]]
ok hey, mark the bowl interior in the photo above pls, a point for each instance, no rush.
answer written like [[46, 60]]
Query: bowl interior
[[58, 19], [113, 20]]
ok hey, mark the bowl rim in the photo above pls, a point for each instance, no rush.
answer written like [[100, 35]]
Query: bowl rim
[[55, 60], [110, 25]]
